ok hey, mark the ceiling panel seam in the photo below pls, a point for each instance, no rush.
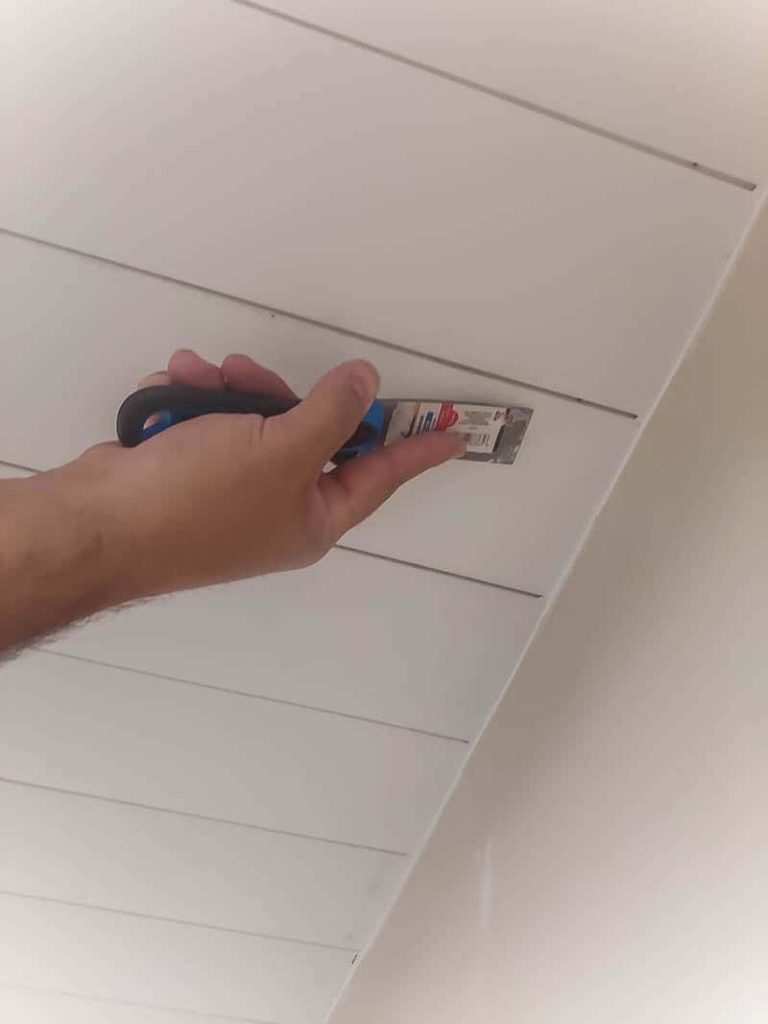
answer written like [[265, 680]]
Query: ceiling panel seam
[[346, 332], [365, 554], [440, 572], [181, 922], [309, 837], [226, 690], [499, 94], [154, 1007], [15, 465]]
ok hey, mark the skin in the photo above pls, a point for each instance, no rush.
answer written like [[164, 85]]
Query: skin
[[214, 499]]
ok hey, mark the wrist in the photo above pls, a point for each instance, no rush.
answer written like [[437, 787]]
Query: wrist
[[59, 561], [95, 531], [124, 546]]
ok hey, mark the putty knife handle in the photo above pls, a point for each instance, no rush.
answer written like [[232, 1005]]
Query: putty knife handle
[[174, 403]]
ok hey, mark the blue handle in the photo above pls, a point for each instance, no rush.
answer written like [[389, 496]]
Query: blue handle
[[374, 419], [171, 404]]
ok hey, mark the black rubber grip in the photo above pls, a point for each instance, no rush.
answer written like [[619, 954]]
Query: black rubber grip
[[184, 403]]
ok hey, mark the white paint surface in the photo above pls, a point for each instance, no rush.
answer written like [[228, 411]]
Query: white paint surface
[[322, 637], [30, 1007], [112, 733], [209, 142], [205, 141], [602, 859], [242, 637], [93, 953], [83, 850], [98, 329], [687, 76]]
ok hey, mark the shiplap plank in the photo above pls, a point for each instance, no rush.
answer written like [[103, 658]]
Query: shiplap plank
[[27, 1006], [114, 733], [210, 142], [101, 854], [461, 637], [689, 78], [77, 334], [95, 953]]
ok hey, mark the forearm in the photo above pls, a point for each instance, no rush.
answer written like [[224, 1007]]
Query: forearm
[[56, 564], [211, 500]]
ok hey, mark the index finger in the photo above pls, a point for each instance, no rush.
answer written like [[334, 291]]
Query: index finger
[[187, 367], [153, 379], [244, 374]]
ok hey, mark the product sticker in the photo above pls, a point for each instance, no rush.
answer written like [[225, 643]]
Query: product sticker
[[479, 425]]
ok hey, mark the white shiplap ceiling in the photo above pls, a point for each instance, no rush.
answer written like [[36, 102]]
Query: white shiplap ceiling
[[687, 78], [520, 535], [208, 802], [195, 141]]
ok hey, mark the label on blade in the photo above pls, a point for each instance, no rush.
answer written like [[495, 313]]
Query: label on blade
[[479, 425]]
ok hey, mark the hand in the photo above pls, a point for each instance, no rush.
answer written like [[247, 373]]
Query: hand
[[226, 496]]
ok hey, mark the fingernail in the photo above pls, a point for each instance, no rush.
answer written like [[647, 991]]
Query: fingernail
[[365, 380]]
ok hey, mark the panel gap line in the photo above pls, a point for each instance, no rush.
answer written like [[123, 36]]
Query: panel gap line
[[440, 572], [163, 677], [507, 97], [196, 816], [345, 332], [202, 1015], [341, 547], [182, 922], [16, 465]]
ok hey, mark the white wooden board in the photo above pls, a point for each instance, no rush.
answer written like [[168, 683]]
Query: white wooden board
[[96, 953], [77, 334], [322, 637], [114, 733], [687, 77], [210, 142], [25, 1006], [462, 638], [101, 854]]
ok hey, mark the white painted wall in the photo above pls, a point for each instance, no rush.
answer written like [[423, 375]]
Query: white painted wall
[[602, 860]]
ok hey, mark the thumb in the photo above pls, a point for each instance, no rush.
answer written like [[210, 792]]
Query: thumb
[[332, 411], [358, 487]]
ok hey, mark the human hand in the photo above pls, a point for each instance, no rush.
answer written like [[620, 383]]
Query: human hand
[[226, 496]]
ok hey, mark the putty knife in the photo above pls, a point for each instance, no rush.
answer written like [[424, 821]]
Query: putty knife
[[493, 433]]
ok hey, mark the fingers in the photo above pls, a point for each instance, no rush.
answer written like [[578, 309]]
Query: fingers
[[243, 374], [237, 371], [153, 379], [187, 367], [358, 487], [333, 409]]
